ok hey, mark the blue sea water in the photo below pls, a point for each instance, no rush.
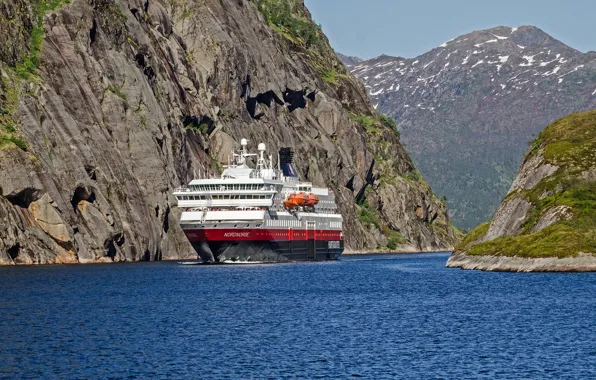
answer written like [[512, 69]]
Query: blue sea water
[[394, 316]]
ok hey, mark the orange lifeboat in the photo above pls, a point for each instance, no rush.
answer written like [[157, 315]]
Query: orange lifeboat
[[296, 200], [290, 204], [313, 200]]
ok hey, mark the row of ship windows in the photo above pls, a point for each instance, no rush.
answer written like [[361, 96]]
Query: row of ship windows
[[220, 197], [284, 223], [297, 223], [248, 186]]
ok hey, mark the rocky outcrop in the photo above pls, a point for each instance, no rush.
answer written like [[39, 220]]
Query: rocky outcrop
[[123, 101], [468, 108], [509, 218], [580, 263], [548, 220]]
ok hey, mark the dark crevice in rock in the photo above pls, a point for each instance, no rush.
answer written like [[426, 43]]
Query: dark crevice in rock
[[158, 255], [110, 248], [204, 124], [24, 197], [435, 215], [93, 32], [66, 245], [13, 251], [166, 220], [146, 256], [350, 184], [119, 239], [157, 211], [245, 87], [251, 106], [265, 98], [268, 97], [295, 99], [82, 194], [91, 172], [370, 179], [146, 6], [160, 142], [142, 61]]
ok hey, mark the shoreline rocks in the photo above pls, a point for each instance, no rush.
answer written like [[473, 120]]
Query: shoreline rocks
[[581, 263]]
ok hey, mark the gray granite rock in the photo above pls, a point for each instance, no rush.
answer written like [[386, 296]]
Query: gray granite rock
[[108, 116]]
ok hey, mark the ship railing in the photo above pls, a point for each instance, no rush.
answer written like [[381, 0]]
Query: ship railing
[[182, 190]]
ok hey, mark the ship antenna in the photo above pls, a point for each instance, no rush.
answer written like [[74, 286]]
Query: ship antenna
[[261, 164]]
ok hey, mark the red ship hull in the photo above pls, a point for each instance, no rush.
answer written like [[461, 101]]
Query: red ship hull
[[261, 234], [259, 244]]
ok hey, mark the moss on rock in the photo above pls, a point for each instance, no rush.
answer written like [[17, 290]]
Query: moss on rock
[[570, 145]]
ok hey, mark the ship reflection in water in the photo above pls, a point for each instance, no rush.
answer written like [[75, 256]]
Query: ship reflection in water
[[260, 213]]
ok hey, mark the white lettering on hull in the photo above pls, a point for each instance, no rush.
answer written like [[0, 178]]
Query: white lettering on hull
[[237, 234]]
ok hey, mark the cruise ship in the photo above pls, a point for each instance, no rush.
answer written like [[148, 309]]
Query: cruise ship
[[260, 213]]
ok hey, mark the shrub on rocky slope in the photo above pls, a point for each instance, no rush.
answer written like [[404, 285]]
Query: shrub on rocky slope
[[550, 210]]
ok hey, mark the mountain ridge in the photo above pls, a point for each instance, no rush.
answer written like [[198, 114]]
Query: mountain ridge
[[489, 90], [348, 60]]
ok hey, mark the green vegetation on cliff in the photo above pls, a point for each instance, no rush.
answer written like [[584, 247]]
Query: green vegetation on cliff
[[9, 94], [23, 67], [284, 17], [291, 20], [31, 61], [567, 197]]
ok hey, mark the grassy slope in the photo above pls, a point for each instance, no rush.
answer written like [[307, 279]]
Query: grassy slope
[[569, 143]]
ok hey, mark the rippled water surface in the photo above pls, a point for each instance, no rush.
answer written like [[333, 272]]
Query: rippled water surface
[[369, 316]]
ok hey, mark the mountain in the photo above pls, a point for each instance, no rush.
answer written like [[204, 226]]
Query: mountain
[[108, 106], [547, 222], [467, 109], [348, 60]]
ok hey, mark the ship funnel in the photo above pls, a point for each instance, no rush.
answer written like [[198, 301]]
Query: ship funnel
[[286, 159]]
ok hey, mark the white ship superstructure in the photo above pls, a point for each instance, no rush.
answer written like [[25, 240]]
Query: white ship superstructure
[[260, 213]]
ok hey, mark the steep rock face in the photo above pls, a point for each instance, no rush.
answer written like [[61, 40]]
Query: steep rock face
[[468, 108], [128, 100], [548, 220]]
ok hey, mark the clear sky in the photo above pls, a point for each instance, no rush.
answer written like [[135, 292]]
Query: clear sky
[[408, 28]]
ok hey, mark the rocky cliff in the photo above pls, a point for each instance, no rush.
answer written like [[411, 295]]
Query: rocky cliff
[[108, 106], [547, 222], [468, 108]]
